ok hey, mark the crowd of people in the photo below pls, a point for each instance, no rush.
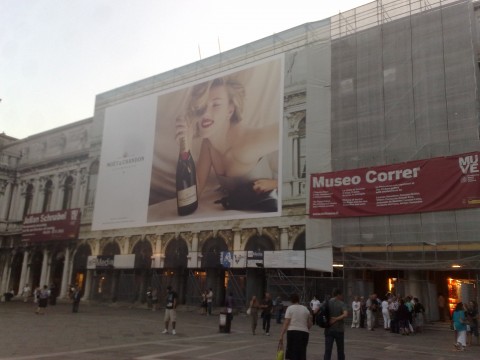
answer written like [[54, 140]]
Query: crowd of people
[[400, 315]]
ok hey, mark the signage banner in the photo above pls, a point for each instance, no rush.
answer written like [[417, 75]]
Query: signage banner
[[101, 262], [294, 259], [53, 225], [233, 259], [437, 184], [255, 259]]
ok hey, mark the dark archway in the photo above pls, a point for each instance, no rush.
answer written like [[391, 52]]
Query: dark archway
[[36, 268], [259, 243], [176, 263], [176, 254], [79, 270], [215, 273], [56, 273], [211, 252], [16, 269], [299, 243], [256, 277], [141, 274]]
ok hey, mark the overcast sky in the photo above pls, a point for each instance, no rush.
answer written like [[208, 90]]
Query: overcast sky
[[56, 55]]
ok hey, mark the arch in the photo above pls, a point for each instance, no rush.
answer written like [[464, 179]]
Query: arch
[[143, 254], [176, 254], [211, 252], [300, 242], [81, 256], [259, 243], [79, 268], [111, 248]]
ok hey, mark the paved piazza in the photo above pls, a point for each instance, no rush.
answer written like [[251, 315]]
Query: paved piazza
[[100, 331]]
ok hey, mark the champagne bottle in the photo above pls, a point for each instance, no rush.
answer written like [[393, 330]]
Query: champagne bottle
[[186, 179]]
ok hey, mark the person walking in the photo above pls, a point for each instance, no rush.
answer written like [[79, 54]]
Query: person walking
[[76, 296], [336, 330], [356, 312], [209, 301], [26, 292], [371, 311], [267, 306], [472, 318], [170, 310], [254, 305], [278, 306], [43, 296], [385, 313], [314, 306], [460, 325], [298, 321]]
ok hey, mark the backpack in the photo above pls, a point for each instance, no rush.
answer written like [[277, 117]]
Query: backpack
[[322, 318]]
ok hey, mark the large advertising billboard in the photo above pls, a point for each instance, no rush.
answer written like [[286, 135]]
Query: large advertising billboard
[[53, 225], [437, 184], [207, 151]]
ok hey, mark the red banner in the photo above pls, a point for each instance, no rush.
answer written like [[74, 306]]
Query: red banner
[[54, 225], [444, 183]]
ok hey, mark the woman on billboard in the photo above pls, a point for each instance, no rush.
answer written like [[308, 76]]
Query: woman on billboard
[[242, 157]]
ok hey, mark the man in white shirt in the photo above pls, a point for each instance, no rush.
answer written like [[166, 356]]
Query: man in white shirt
[[314, 306]]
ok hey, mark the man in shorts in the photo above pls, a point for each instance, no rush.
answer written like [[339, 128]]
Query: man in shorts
[[170, 310]]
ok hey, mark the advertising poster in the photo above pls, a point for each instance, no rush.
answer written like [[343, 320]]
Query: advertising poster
[[437, 184], [207, 151]]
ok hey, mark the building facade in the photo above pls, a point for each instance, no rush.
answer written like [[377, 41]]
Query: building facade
[[386, 83]]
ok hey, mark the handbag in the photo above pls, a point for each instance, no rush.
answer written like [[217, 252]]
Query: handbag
[[280, 352], [249, 311]]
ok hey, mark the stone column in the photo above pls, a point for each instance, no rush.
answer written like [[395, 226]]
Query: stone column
[[88, 285], [5, 200], [237, 239], [43, 274], [23, 276], [5, 274], [65, 282], [284, 239]]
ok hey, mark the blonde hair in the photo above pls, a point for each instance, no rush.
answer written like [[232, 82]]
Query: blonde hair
[[199, 94]]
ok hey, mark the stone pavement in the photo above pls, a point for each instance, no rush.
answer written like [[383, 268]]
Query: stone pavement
[[100, 331]]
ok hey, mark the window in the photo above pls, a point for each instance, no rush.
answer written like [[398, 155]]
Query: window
[[302, 150], [47, 196], [67, 193], [92, 183], [28, 200]]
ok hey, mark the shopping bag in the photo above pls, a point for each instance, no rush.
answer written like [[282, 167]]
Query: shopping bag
[[249, 311], [280, 353]]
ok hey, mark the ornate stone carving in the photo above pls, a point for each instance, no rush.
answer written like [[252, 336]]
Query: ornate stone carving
[[272, 233]]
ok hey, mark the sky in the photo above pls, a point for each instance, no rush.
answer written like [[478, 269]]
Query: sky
[[57, 55]]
